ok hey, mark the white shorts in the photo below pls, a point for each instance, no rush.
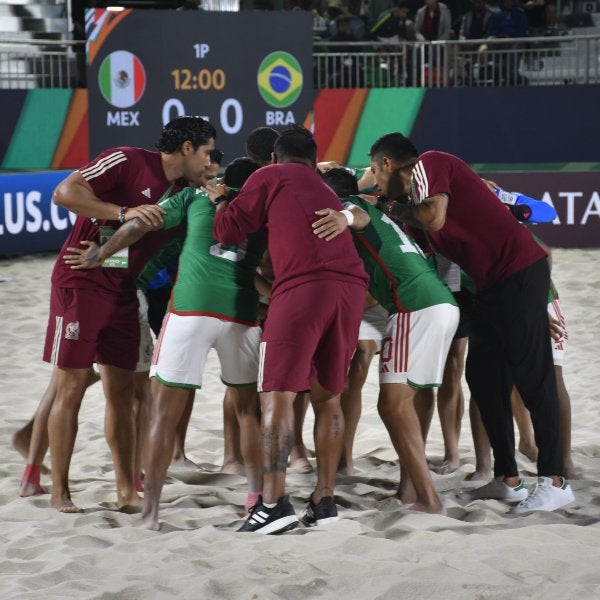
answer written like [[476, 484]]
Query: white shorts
[[374, 324], [184, 343], [146, 340], [558, 347], [416, 345]]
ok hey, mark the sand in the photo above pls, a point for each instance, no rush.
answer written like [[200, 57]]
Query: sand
[[377, 550]]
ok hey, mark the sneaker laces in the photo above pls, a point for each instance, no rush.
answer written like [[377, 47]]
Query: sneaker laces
[[539, 491]]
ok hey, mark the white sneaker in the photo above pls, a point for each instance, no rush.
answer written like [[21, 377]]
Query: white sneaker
[[546, 496], [496, 489]]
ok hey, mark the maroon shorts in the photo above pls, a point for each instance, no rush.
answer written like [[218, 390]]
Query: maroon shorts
[[311, 331], [85, 326]]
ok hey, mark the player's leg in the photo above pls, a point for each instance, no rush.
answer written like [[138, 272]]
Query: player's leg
[[168, 406], [450, 404], [299, 454], [232, 454], [120, 429], [351, 399], [62, 431]]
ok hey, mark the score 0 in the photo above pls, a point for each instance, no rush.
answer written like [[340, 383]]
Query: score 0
[[231, 115]]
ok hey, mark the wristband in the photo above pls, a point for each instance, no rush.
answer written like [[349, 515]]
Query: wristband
[[219, 199], [349, 216], [122, 211]]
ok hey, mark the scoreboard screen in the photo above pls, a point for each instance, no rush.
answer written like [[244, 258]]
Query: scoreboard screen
[[238, 70]]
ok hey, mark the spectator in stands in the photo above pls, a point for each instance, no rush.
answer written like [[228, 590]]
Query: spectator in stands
[[541, 14], [394, 24], [509, 22], [474, 24], [345, 72], [433, 21]]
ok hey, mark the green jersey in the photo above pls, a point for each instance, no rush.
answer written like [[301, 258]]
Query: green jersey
[[213, 279], [401, 279]]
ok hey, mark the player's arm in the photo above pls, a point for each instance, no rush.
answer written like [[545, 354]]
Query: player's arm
[[429, 215], [92, 255], [263, 285], [76, 194], [367, 181], [333, 222]]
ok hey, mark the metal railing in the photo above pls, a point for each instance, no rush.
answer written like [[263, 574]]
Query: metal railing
[[555, 60], [552, 60], [29, 64]]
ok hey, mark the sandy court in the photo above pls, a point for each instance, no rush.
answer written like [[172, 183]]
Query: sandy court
[[377, 549]]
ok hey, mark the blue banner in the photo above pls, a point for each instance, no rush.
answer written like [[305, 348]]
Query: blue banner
[[29, 220]]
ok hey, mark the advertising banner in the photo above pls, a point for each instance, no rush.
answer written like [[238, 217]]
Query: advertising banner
[[29, 220], [574, 196], [238, 70]]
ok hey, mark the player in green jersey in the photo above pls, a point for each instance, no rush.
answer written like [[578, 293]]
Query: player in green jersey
[[423, 319]]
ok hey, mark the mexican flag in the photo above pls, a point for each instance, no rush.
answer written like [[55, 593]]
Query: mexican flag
[[122, 79]]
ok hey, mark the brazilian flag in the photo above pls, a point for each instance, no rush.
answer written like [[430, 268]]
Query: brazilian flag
[[280, 79]]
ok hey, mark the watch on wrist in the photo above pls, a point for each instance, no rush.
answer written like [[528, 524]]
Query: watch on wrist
[[122, 212]]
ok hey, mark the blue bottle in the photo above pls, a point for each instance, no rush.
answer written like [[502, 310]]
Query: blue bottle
[[541, 212]]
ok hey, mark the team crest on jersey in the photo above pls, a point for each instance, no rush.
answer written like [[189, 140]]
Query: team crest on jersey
[[147, 193], [72, 331]]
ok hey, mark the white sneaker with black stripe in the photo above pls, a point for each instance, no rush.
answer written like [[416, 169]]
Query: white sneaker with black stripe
[[277, 519]]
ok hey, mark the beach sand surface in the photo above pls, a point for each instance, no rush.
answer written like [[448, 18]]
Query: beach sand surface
[[378, 550]]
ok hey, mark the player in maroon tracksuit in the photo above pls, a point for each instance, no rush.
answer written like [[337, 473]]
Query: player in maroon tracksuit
[[312, 325]]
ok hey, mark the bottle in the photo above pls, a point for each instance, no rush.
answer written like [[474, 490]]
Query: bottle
[[541, 212]]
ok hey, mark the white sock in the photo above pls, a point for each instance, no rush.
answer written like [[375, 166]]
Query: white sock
[[267, 505]]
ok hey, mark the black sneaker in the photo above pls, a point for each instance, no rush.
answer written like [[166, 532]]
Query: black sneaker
[[265, 520], [320, 514]]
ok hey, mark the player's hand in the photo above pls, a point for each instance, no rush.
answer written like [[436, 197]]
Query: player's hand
[[150, 215], [330, 225], [492, 185], [215, 190], [557, 333], [83, 258], [369, 198], [327, 166]]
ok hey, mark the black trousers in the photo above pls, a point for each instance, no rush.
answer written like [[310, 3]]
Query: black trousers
[[510, 344]]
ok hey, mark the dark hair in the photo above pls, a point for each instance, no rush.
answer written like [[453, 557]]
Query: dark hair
[[216, 156], [195, 130], [295, 143], [259, 144], [395, 146], [342, 182], [238, 170]]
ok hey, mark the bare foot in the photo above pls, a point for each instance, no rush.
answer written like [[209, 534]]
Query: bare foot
[[183, 462], [479, 475], [129, 500], [345, 467], [233, 467], [64, 504], [433, 509], [147, 522], [406, 491], [300, 465], [21, 438], [28, 488], [447, 467], [529, 450]]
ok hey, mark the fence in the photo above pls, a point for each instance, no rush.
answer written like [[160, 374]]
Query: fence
[[557, 60], [500, 62]]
